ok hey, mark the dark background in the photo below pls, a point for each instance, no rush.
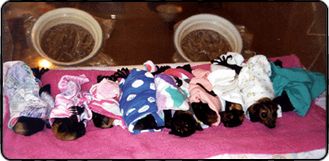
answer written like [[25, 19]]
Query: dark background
[[278, 28]]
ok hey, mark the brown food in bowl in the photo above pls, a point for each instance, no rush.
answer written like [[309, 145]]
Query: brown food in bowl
[[204, 45], [67, 42]]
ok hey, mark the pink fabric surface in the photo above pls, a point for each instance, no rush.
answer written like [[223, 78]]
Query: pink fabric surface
[[292, 134], [288, 61]]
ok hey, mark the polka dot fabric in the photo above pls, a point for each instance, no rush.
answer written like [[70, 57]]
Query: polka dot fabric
[[138, 99]]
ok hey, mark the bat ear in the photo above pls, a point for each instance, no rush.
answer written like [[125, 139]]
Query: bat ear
[[45, 88], [100, 78], [278, 63], [253, 112]]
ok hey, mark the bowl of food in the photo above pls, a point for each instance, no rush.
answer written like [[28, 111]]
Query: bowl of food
[[66, 36], [204, 37]]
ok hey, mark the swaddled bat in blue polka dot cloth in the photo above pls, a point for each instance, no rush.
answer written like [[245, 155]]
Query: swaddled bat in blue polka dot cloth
[[138, 100]]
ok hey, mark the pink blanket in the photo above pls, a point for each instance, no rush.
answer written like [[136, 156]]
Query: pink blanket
[[291, 135]]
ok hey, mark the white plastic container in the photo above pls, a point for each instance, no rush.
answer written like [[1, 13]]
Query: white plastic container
[[211, 22], [66, 16]]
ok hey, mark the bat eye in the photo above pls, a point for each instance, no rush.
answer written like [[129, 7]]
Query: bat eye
[[263, 114]]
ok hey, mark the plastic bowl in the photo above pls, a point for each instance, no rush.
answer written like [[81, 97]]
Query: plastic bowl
[[66, 16], [211, 22]]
